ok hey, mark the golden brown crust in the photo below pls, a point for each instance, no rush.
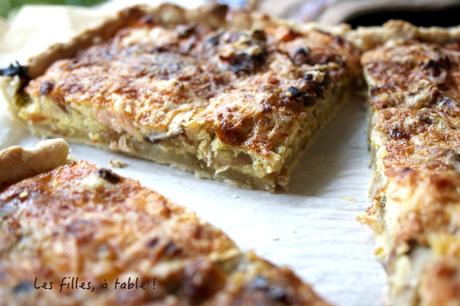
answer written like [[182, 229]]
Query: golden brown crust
[[17, 163], [37, 65], [414, 100], [367, 38], [425, 140], [414, 75], [239, 93], [229, 91], [78, 220]]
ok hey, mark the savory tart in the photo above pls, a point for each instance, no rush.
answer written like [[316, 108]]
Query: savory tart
[[233, 96], [70, 234], [414, 100]]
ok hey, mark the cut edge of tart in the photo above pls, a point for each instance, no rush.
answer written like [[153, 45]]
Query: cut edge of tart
[[235, 96], [73, 219], [414, 118]]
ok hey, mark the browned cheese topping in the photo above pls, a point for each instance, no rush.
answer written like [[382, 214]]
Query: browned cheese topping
[[80, 221], [415, 99], [246, 87]]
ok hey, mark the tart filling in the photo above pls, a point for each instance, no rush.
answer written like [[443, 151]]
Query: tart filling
[[229, 101], [415, 140]]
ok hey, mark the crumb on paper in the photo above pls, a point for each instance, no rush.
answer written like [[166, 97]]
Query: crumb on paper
[[235, 196], [116, 163], [351, 199], [71, 158], [378, 251], [276, 239]]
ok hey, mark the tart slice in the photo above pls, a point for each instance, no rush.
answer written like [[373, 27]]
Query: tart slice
[[75, 234], [414, 99], [231, 96]]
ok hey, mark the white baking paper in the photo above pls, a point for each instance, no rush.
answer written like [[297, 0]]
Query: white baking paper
[[310, 228]]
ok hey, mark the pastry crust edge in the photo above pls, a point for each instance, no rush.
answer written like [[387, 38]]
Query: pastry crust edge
[[367, 38], [17, 163]]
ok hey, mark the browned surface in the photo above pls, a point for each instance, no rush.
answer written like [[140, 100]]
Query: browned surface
[[246, 87], [415, 98], [399, 74], [415, 91], [441, 284], [425, 140], [78, 220]]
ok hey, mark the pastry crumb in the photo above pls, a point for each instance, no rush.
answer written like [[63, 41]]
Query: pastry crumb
[[351, 199], [23, 194], [116, 163]]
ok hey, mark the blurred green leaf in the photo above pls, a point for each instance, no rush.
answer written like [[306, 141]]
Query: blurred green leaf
[[7, 6]]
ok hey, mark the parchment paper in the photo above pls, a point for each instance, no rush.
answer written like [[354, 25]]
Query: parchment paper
[[310, 228]]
